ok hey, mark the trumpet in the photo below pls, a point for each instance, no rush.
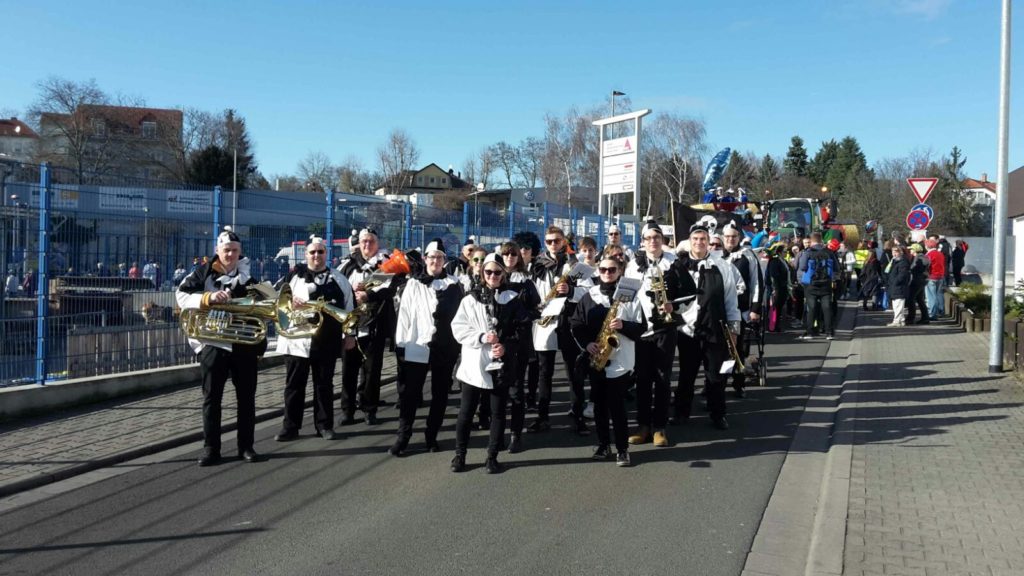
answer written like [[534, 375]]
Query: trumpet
[[660, 297]]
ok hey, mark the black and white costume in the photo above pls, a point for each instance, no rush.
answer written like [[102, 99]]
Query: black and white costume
[[318, 353], [608, 387], [749, 295], [556, 336], [218, 360], [372, 339], [701, 339], [424, 342]]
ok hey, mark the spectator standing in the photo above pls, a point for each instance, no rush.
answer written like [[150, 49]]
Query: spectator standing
[[134, 271], [918, 280], [11, 285], [936, 278], [179, 274], [870, 277], [957, 261], [149, 273], [898, 285], [817, 272]]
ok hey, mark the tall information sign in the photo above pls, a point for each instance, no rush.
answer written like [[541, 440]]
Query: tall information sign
[[620, 161]]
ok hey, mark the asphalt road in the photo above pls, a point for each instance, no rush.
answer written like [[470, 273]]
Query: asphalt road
[[347, 507]]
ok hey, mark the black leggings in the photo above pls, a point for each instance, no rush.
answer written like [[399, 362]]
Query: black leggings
[[609, 397]]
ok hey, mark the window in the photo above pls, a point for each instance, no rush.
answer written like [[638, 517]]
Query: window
[[444, 180], [432, 180], [149, 129], [419, 180], [99, 127]]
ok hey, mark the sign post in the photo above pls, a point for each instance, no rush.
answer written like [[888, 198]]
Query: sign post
[[619, 171]]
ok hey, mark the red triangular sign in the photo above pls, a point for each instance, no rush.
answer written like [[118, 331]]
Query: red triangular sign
[[922, 187]]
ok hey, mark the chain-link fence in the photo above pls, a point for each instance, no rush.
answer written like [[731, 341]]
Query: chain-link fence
[[113, 250]]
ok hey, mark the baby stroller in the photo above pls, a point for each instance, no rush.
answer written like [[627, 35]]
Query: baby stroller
[[756, 365]]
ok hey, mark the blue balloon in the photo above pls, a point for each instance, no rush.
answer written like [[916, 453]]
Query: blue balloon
[[716, 168]]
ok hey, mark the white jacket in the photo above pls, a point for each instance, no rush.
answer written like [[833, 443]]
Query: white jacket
[[416, 317], [730, 279], [471, 323], [633, 271], [623, 360]]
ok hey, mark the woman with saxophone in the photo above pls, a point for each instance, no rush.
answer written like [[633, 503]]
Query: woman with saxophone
[[226, 276], [608, 330], [319, 353]]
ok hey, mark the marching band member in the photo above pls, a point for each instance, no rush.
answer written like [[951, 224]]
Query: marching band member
[[529, 249], [312, 281], [709, 284], [655, 350], [372, 335], [608, 386], [424, 342], [520, 282], [472, 276], [615, 239], [550, 268], [487, 325], [459, 267], [216, 282], [748, 293]]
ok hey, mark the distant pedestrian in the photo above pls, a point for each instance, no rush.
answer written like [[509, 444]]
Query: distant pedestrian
[[870, 280], [898, 285], [11, 284], [957, 261], [28, 286], [936, 278], [134, 271], [916, 303], [179, 274], [149, 273]]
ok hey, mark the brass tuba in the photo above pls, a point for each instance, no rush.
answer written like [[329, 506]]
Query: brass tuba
[[238, 321], [303, 321]]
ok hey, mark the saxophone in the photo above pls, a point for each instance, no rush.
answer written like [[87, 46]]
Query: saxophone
[[551, 295], [607, 340]]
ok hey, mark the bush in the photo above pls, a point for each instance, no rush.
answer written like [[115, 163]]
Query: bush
[[1015, 304], [976, 298]]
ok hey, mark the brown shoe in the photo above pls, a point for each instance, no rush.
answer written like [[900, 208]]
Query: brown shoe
[[642, 436], [660, 439]]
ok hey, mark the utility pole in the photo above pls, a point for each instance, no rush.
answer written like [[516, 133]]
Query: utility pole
[[995, 356]]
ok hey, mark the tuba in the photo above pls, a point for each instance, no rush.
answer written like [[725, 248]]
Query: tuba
[[239, 321], [303, 321], [607, 341]]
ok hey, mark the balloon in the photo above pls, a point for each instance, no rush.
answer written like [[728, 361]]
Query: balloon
[[871, 226]]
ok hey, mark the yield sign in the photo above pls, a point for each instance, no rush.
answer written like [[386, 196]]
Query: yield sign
[[922, 187]]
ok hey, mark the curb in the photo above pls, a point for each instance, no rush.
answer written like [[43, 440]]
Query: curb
[[797, 533], [174, 441]]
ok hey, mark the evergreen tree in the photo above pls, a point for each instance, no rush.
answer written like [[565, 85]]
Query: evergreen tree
[[821, 164], [236, 137], [768, 173], [211, 166], [848, 162], [795, 163]]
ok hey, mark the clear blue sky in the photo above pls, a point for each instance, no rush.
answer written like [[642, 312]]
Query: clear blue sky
[[899, 75]]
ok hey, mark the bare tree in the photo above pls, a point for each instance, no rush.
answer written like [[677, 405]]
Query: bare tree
[[504, 155], [485, 167], [397, 159], [529, 155], [676, 145], [57, 113], [316, 172], [199, 130]]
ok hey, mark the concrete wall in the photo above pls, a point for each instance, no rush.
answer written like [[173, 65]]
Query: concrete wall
[[980, 253], [29, 400]]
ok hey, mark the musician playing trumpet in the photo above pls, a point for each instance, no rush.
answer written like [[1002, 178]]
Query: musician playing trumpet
[[598, 323], [319, 353], [224, 277]]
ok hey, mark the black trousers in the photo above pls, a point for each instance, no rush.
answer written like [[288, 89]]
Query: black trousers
[[471, 396], [694, 353], [365, 373], [297, 372], [215, 365], [917, 303], [609, 397], [654, 356], [411, 377], [546, 366], [818, 303]]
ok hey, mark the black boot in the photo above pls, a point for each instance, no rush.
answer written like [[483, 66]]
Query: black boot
[[459, 463], [493, 466]]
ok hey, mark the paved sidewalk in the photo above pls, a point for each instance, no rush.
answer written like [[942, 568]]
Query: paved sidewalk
[[41, 450], [936, 478]]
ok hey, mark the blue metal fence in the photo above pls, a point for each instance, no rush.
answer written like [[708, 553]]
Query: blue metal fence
[[92, 262]]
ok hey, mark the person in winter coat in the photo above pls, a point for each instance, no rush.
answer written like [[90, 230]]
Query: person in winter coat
[[898, 284], [487, 325], [917, 303], [957, 261], [777, 286], [870, 279], [521, 282], [608, 386], [424, 342]]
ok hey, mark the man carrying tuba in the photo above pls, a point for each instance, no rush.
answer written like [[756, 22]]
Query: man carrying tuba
[[309, 282], [217, 282]]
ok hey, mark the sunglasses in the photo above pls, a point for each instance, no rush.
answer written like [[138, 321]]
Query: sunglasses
[[716, 244], [552, 240], [478, 259], [613, 234], [507, 254], [492, 272], [604, 270], [316, 252]]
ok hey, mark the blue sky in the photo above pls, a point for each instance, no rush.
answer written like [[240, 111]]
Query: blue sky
[[899, 75]]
